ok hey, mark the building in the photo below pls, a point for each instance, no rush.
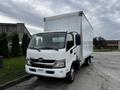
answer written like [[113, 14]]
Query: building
[[14, 27], [119, 44], [113, 44]]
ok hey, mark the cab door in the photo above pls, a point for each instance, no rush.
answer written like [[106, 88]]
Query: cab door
[[70, 50]]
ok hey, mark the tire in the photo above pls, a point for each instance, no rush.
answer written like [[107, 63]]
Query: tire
[[71, 75], [87, 62], [90, 60]]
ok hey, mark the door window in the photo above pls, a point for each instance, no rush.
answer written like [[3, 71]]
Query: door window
[[70, 41]]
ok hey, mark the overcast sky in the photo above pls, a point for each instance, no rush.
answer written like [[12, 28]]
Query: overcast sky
[[104, 15]]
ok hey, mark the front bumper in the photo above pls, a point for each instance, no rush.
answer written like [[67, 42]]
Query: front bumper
[[57, 73]]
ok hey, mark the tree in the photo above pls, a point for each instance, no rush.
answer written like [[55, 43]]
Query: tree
[[4, 45], [15, 45], [99, 42], [25, 42]]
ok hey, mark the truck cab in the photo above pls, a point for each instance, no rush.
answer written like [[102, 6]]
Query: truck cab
[[54, 54]]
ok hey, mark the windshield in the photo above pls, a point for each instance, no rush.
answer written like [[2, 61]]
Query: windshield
[[52, 40]]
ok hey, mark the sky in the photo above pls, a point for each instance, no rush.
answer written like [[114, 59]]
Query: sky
[[104, 15]]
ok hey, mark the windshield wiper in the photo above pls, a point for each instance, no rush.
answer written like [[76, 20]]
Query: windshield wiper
[[49, 48]]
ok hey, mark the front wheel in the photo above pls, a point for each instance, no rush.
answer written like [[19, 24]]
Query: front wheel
[[71, 76]]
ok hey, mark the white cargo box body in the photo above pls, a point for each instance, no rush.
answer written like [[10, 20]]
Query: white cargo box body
[[73, 22]]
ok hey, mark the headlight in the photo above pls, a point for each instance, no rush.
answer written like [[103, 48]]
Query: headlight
[[28, 61], [59, 64]]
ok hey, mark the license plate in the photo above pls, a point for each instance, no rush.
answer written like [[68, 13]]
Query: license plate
[[40, 70]]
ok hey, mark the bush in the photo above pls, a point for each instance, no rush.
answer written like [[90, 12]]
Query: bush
[[4, 45], [25, 42], [15, 45]]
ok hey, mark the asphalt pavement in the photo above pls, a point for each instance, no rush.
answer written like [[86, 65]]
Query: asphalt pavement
[[102, 74]]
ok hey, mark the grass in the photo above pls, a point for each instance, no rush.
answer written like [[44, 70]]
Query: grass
[[105, 50], [13, 68]]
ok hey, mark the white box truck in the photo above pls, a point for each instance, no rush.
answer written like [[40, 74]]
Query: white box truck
[[65, 45]]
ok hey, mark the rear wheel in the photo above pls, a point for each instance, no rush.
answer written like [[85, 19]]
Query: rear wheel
[[87, 61], [90, 60], [71, 76]]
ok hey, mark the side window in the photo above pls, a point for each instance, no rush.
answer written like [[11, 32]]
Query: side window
[[70, 41]]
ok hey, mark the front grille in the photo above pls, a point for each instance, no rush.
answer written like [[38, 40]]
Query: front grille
[[42, 63], [34, 60], [44, 60]]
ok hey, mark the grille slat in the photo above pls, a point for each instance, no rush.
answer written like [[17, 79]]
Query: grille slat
[[44, 60], [42, 63]]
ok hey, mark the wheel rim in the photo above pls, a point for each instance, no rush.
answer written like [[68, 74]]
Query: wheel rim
[[72, 74]]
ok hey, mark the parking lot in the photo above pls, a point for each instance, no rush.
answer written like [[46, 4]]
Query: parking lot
[[102, 74]]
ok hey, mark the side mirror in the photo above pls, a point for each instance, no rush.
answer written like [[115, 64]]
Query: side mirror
[[78, 39]]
